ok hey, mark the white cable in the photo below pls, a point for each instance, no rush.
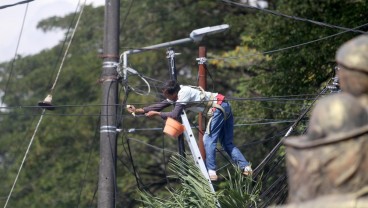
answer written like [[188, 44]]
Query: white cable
[[52, 88], [135, 72], [148, 86], [67, 49], [24, 158]]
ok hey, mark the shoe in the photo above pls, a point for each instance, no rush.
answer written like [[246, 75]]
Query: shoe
[[213, 177], [247, 171]]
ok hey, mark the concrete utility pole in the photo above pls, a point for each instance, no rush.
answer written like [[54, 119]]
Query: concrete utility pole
[[108, 141]]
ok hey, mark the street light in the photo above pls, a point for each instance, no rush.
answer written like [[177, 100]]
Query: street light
[[195, 36], [198, 34]]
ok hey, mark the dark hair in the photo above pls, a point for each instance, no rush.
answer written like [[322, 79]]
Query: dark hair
[[171, 87]]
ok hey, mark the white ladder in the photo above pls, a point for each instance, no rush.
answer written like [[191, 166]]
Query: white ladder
[[189, 137]]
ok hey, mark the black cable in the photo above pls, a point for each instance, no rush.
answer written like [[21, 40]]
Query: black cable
[[90, 148], [126, 16], [120, 124], [18, 3], [258, 169], [13, 60], [94, 195], [137, 178], [165, 167], [267, 198], [295, 18], [259, 99], [112, 150], [277, 162], [286, 48]]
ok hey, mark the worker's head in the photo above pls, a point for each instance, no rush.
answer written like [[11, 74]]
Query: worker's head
[[352, 59], [171, 89]]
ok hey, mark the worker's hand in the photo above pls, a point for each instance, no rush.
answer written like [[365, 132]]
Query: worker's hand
[[152, 113], [131, 109]]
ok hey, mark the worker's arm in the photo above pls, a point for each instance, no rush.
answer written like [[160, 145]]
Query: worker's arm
[[155, 107], [175, 113]]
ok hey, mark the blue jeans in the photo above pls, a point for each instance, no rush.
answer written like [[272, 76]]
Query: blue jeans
[[222, 130]]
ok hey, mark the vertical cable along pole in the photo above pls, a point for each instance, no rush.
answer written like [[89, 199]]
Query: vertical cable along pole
[[173, 75], [202, 82]]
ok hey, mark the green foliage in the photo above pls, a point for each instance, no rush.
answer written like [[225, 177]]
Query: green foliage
[[62, 166], [237, 191]]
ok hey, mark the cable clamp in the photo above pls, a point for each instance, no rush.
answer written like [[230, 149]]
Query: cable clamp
[[110, 64], [108, 129], [202, 60]]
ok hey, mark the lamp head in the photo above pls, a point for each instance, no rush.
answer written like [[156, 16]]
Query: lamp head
[[198, 34]]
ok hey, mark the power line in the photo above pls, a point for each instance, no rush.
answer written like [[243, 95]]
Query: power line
[[15, 56], [68, 46], [24, 158], [237, 99], [286, 48], [65, 41], [294, 17], [18, 3]]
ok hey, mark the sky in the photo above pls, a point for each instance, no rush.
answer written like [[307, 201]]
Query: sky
[[32, 39]]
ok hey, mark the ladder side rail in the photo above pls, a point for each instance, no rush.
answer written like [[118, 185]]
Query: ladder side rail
[[189, 136]]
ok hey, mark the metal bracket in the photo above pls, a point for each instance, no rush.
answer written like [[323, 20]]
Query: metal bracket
[[110, 64], [108, 129], [202, 60]]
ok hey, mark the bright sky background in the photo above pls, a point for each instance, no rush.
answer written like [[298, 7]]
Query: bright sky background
[[32, 40]]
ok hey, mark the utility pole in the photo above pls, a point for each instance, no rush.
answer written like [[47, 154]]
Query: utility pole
[[202, 82], [108, 122]]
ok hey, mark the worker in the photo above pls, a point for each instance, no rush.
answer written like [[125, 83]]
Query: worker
[[215, 107]]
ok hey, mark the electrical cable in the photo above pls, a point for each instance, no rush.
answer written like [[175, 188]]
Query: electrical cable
[[267, 159], [15, 56], [52, 89], [294, 17], [37, 124], [152, 146], [94, 195], [112, 144], [127, 89], [165, 166], [65, 40], [126, 16], [229, 163], [260, 99], [137, 178], [90, 148], [273, 151], [18, 3], [24, 158], [286, 48], [68, 46], [127, 150], [267, 200]]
